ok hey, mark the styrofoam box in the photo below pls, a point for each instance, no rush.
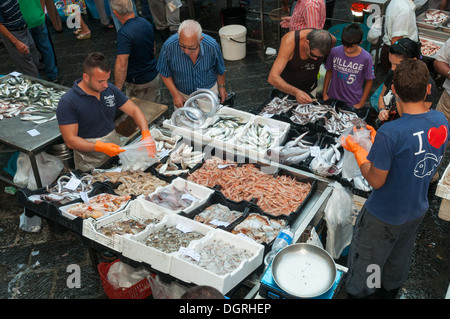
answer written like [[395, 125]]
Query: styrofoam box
[[442, 189], [272, 124], [190, 272], [135, 210], [199, 191], [181, 131], [65, 209], [134, 247], [247, 117]]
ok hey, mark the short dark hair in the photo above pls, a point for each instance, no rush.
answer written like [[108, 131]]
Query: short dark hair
[[411, 80], [352, 34], [96, 60], [406, 48], [320, 40]]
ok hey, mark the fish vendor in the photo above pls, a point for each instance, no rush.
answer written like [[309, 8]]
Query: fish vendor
[[295, 69], [399, 166], [191, 60], [87, 111]]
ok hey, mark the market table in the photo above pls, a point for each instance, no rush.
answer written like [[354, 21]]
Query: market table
[[16, 133]]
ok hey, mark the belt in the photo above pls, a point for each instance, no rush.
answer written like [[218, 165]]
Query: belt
[[17, 29]]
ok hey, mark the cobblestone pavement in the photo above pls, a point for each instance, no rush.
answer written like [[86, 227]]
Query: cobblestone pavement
[[34, 265]]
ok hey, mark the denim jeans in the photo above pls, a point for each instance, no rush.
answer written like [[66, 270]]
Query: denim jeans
[[42, 41]]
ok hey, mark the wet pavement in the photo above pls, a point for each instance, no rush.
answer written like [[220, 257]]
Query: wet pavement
[[35, 265]]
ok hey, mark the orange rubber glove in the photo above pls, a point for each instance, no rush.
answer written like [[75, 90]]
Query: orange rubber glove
[[151, 147], [373, 132], [109, 149], [357, 150]]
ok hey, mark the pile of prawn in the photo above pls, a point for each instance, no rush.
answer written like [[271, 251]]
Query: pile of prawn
[[280, 195]]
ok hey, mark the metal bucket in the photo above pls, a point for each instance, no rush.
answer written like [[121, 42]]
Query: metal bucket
[[64, 153]]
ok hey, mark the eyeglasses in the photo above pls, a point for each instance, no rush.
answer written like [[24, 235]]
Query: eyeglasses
[[312, 55], [183, 47]]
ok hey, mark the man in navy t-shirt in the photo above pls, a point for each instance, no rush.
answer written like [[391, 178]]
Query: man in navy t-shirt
[[87, 111], [402, 160], [135, 63]]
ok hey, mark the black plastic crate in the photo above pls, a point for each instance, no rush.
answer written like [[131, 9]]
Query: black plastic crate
[[218, 198]]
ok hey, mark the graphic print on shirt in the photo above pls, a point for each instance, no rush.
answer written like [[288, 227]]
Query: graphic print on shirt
[[109, 100], [430, 162], [347, 70]]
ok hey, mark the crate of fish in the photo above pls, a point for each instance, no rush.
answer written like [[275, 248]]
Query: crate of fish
[[323, 117], [156, 246], [180, 195], [259, 227], [184, 157], [95, 207], [222, 261], [223, 126], [111, 230], [285, 195], [164, 144], [219, 212], [260, 135]]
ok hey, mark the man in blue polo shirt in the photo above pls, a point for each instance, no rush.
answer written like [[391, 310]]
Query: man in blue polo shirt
[[135, 63], [87, 111], [191, 60]]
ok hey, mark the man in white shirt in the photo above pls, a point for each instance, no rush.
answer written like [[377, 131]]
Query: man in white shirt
[[400, 22], [442, 66]]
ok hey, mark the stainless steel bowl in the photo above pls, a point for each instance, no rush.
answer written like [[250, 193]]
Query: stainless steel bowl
[[304, 270]]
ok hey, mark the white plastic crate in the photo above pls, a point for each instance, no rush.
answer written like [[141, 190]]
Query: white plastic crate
[[282, 129], [135, 210], [65, 209], [134, 247], [442, 189], [157, 134], [189, 272], [198, 191], [247, 117]]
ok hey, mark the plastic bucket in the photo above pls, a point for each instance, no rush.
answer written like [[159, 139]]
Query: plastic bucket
[[233, 39], [233, 16]]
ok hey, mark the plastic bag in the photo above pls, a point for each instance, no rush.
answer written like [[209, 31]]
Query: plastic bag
[[339, 218], [350, 168], [136, 156], [121, 275], [49, 168], [30, 224], [162, 290], [173, 4]]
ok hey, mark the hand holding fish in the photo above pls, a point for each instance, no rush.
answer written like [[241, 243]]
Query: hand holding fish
[[303, 97]]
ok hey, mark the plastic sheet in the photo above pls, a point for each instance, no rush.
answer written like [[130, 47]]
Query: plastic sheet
[[137, 156]]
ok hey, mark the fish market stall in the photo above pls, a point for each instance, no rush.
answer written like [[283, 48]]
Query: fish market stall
[[203, 204], [434, 27]]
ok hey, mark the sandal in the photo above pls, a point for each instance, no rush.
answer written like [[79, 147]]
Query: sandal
[[84, 36], [77, 31], [109, 25]]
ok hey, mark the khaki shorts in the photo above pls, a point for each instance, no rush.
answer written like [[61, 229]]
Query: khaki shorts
[[444, 105]]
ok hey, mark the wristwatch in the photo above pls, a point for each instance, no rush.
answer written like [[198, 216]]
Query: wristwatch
[[221, 86]]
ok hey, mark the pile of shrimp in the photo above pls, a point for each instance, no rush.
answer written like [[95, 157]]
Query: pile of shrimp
[[280, 195]]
